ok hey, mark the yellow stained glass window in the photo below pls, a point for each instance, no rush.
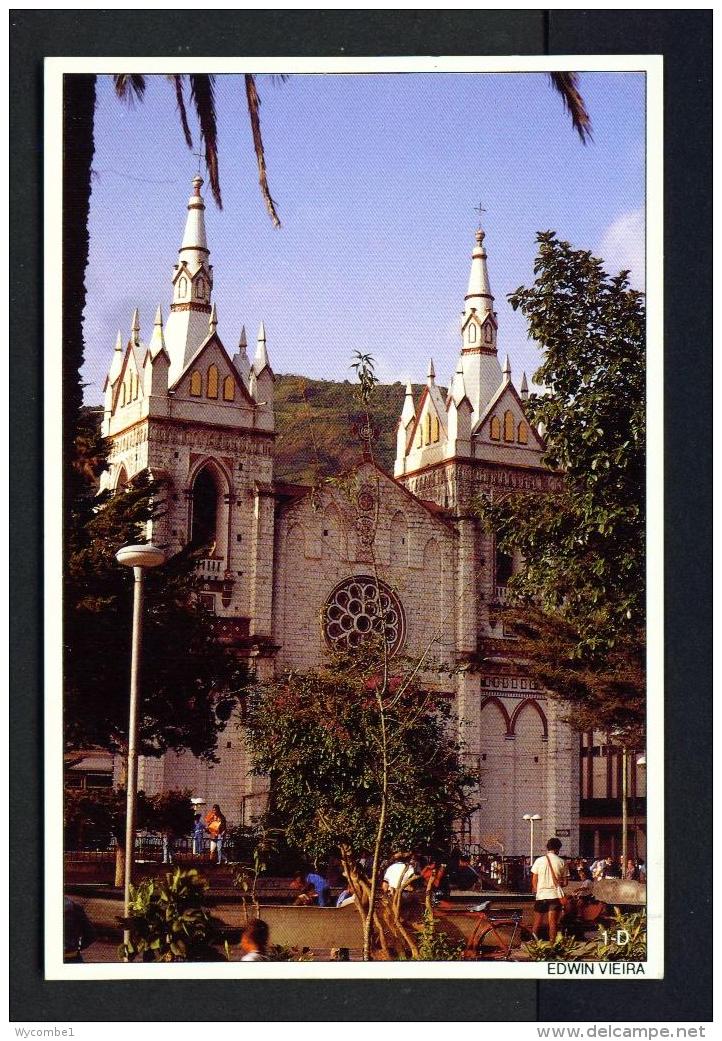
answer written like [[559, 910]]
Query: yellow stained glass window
[[196, 384], [212, 389], [495, 429], [509, 426], [435, 429], [229, 389], [523, 435]]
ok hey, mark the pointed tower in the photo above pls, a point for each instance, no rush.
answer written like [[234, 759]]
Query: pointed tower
[[261, 382], [240, 358], [480, 363], [157, 340], [404, 429], [524, 390], [187, 325]]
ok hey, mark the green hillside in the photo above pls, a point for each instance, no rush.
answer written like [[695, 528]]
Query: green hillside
[[317, 426]]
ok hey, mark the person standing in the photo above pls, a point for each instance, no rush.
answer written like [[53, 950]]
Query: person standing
[[216, 827], [548, 875], [254, 941], [199, 834]]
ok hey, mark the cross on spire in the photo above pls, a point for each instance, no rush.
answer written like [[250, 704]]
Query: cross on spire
[[479, 209], [200, 155]]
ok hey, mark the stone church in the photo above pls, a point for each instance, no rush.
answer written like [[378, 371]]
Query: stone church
[[288, 571]]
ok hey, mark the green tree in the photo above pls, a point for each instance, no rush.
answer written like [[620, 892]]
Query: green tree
[[578, 603], [190, 683], [359, 762]]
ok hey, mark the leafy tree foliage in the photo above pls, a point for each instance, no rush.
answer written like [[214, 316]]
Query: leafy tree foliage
[[318, 735], [580, 596], [190, 684]]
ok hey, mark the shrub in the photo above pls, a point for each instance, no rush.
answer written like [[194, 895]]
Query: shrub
[[168, 921], [635, 925]]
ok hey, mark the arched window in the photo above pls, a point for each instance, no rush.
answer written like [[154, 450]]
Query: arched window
[[122, 481], [472, 332], [204, 520], [495, 429], [427, 429], [435, 429], [509, 426], [212, 388], [196, 384], [504, 567], [182, 287], [488, 332], [123, 394], [136, 381], [229, 389], [523, 434], [201, 289]]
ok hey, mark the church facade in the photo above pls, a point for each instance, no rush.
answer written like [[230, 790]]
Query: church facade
[[288, 571]]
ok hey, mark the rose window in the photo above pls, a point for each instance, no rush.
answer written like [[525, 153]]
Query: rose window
[[360, 607]]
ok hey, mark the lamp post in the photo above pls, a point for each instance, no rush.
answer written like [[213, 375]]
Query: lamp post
[[139, 558], [532, 818]]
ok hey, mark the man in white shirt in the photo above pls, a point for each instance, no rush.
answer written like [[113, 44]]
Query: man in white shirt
[[399, 873], [548, 875]]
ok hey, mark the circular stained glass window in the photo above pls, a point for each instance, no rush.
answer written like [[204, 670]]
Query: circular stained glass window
[[359, 607]]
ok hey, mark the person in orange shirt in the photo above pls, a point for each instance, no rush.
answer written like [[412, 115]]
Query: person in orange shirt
[[216, 827]]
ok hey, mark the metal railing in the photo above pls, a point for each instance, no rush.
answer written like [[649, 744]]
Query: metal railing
[[211, 567]]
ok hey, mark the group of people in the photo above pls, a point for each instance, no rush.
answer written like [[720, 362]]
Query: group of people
[[405, 870], [581, 870], [213, 825]]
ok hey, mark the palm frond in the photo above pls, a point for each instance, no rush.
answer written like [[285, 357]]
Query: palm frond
[[203, 97], [254, 104], [181, 104], [567, 84], [278, 78], [129, 88]]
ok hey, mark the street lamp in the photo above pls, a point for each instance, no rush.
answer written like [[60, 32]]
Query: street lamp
[[139, 558], [532, 818]]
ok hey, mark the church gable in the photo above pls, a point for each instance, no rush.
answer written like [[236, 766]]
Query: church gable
[[504, 423], [210, 375], [430, 425], [129, 385]]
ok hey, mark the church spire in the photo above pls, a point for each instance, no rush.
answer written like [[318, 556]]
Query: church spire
[[480, 365], [135, 327], [524, 387], [194, 236], [190, 311], [478, 295], [157, 342], [213, 319], [431, 374], [240, 358], [260, 362], [408, 412]]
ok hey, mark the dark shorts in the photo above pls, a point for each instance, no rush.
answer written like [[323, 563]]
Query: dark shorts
[[542, 906]]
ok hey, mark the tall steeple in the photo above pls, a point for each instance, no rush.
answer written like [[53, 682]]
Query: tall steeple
[[479, 296], [187, 325], [479, 361]]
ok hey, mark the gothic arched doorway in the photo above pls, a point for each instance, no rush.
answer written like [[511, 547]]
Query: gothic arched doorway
[[205, 510]]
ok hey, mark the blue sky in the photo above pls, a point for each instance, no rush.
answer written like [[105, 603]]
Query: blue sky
[[375, 178]]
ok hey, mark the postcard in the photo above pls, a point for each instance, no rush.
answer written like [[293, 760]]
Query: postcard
[[354, 604]]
